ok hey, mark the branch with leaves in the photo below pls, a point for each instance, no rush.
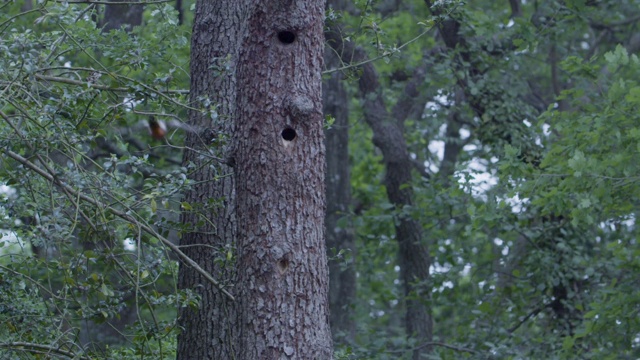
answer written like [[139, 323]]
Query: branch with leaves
[[53, 178]]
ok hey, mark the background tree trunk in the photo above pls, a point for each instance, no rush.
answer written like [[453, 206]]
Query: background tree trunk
[[342, 272], [338, 182], [388, 136], [116, 16]]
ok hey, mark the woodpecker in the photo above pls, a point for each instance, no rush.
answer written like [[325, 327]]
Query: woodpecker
[[157, 128]]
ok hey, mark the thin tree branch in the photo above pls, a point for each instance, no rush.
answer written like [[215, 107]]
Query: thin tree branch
[[80, 83], [386, 53], [41, 349], [529, 316], [435, 343], [628, 21], [42, 287], [104, 87]]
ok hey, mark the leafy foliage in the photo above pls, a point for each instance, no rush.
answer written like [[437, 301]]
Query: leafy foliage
[[528, 234], [91, 185]]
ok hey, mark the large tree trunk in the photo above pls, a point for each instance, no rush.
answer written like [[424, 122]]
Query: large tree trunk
[[270, 57], [279, 157]]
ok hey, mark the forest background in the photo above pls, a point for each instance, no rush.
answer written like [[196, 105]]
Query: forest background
[[482, 178]]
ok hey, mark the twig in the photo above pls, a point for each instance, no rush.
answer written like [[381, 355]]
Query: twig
[[435, 343], [42, 287], [389, 53], [615, 23], [162, 93], [529, 316], [39, 348], [384, 55], [102, 72], [80, 83]]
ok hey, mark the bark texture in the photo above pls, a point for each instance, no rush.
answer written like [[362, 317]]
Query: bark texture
[[208, 332], [279, 157], [260, 63], [342, 273]]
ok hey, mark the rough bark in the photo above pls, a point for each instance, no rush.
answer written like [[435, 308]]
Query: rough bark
[[279, 157], [388, 136], [208, 332], [342, 273], [260, 63]]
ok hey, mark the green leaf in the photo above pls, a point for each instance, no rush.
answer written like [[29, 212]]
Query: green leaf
[[634, 95], [485, 307], [471, 210], [567, 343], [584, 203], [618, 57], [104, 289], [578, 161]]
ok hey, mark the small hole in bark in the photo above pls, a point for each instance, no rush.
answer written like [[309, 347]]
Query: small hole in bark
[[286, 37], [283, 264], [288, 134]]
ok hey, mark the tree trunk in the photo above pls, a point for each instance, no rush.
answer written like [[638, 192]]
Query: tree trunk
[[180, 11], [388, 136], [119, 15], [279, 157], [208, 331], [269, 95], [342, 272], [342, 289]]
